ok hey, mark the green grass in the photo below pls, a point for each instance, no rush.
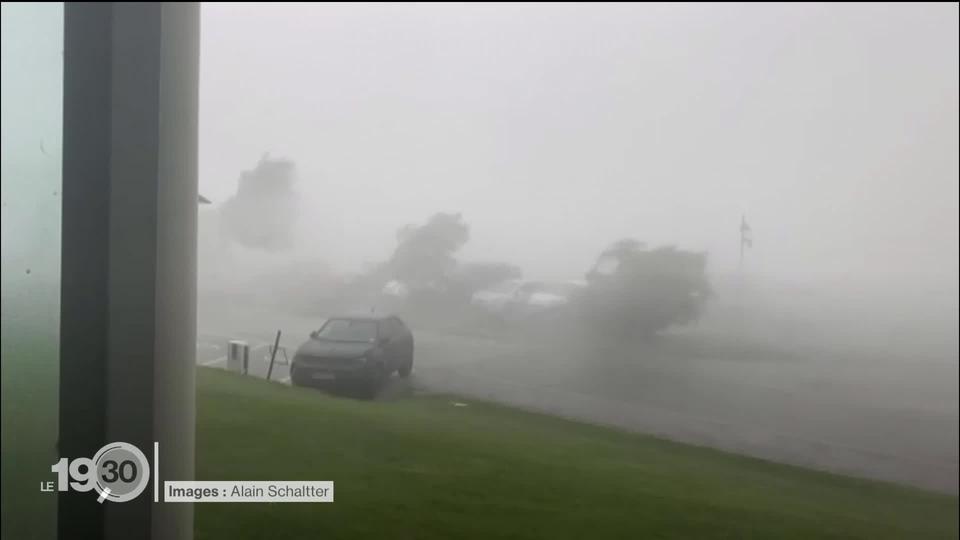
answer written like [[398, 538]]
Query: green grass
[[422, 468], [29, 430]]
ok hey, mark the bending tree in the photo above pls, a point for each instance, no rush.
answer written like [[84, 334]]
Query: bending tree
[[634, 290], [262, 213], [424, 257]]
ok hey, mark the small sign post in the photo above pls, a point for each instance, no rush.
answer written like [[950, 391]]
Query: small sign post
[[273, 354]]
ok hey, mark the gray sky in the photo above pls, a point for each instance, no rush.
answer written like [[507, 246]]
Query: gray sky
[[557, 129]]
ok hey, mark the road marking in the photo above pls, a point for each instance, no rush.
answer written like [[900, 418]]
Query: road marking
[[214, 361]]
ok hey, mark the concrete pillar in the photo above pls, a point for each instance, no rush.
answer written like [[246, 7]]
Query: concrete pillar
[[128, 298]]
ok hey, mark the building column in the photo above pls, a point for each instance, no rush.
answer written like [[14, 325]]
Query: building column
[[128, 291]]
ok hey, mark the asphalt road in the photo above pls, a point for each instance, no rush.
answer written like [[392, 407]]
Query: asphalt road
[[817, 412]]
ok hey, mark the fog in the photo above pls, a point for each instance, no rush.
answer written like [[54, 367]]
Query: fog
[[830, 127], [556, 130]]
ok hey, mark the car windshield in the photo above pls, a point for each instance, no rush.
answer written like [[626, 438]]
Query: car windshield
[[348, 330]]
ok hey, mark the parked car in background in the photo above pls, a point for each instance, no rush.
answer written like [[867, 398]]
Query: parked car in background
[[496, 298], [521, 299], [539, 297], [365, 350]]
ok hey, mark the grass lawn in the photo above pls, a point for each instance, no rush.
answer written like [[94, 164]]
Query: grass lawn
[[29, 430], [422, 468]]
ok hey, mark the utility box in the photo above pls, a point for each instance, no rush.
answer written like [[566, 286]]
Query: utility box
[[238, 356]]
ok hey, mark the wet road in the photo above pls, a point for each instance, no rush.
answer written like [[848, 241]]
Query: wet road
[[808, 411]]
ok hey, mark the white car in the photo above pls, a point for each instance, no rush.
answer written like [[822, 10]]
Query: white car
[[542, 296], [526, 297], [496, 298]]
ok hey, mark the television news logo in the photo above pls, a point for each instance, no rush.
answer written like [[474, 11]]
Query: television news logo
[[118, 472]]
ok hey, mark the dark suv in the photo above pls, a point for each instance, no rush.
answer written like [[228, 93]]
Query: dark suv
[[354, 349]]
